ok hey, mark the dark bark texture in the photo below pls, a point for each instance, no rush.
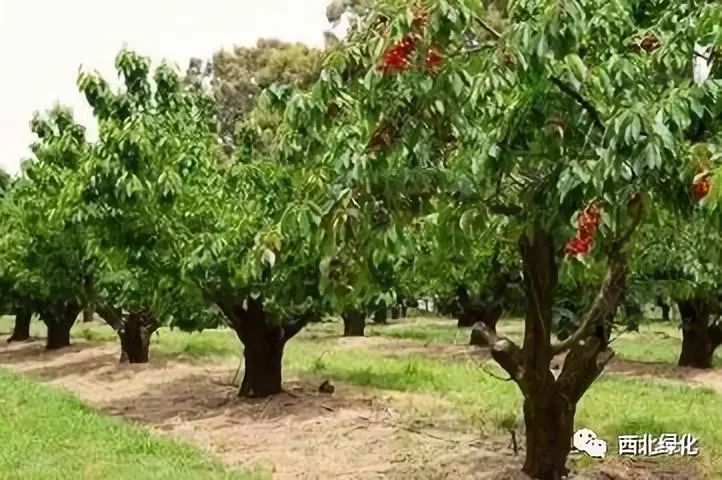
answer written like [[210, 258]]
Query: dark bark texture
[[699, 338], [381, 314], [59, 319], [549, 402], [21, 330], [135, 333], [354, 323], [263, 344]]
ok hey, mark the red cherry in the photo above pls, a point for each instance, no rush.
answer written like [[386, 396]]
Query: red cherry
[[701, 186], [433, 58]]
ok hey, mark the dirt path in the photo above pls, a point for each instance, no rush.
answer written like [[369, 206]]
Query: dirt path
[[353, 434], [302, 434]]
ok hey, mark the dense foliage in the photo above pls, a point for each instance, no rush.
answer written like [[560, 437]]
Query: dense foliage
[[524, 160]]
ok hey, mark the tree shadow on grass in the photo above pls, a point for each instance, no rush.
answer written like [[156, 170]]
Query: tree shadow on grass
[[710, 378]]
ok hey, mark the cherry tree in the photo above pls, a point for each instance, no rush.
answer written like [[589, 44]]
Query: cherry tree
[[572, 120]]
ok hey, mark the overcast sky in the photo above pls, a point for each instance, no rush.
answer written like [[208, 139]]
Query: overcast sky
[[44, 42]]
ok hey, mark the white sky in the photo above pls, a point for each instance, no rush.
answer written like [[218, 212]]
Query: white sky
[[44, 42]]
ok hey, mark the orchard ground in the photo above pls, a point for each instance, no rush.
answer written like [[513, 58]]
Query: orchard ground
[[411, 401]]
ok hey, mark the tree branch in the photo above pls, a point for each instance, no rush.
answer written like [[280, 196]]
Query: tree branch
[[586, 105], [506, 353], [604, 304], [489, 29], [112, 316], [583, 365]]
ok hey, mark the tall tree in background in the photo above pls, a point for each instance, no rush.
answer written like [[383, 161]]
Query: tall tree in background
[[242, 73]]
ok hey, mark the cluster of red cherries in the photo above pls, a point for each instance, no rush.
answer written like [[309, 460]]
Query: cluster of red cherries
[[701, 186], [587, 224], [397, 57]]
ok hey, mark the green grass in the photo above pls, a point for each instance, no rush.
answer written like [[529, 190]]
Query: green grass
[[48, 434], [612, 407]]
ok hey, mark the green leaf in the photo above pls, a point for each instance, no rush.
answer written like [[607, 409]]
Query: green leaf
[[577, 67]]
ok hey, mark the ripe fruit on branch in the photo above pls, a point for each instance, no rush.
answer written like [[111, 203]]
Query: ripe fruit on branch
[[433, 59], [701, 185], [396, 57], [587, 224]]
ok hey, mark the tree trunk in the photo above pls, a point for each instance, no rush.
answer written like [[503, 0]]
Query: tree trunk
[[263, 345], [487, 319], [21, 330], [381, 314], [58, 335], [549, 402], [59, 319], [135, 336], [354, 323], [395, 312], [665, 310], [699, 339], [549, 421], [88, 313], [263, 363]]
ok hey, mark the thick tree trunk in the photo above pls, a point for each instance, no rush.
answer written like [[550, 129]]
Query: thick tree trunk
[[395, 312], [354, 323], [381, 314], [135, 336], [549, 402], [488, 320], [58, 335], [699, 339], [263, 344], [262, 375], [549, 421], [59, 319], [21, 330]]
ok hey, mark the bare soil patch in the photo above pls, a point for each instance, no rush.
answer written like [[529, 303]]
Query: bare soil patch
[[354, 433], [300, 434]]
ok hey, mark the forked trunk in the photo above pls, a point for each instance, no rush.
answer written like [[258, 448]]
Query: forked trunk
[[549, 402], [135, 334], [488, 319], [699, 338], [354, 323], [21, 330], [263, 345], [59, 319]]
